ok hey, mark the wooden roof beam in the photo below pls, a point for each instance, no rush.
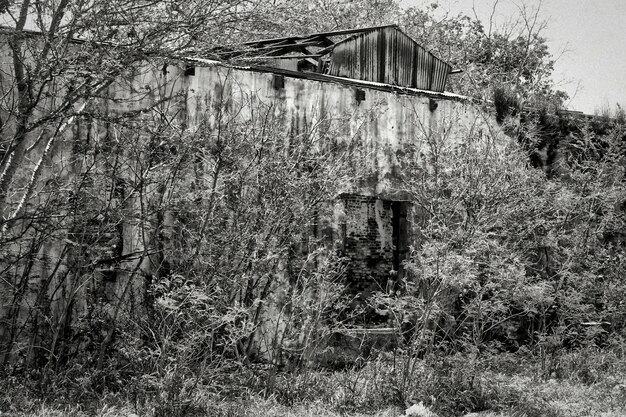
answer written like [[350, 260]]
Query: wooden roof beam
[[324, 34]]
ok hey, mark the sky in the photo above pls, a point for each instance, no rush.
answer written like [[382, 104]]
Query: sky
[[587, 36]]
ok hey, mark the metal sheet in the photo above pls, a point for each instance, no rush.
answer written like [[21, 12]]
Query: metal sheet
[[389, 56]]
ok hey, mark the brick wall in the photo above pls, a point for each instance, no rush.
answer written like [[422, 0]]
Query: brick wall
[[374, 235]]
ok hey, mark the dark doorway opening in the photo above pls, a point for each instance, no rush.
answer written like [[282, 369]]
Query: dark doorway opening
[[376, 238]]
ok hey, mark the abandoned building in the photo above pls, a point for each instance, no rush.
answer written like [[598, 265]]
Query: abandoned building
[[388, 91], [391, 87]]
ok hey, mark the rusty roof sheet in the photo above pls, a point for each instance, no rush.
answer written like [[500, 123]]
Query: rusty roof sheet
[[383, 54], [390, 56]]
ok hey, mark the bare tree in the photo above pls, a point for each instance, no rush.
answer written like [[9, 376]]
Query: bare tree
[[77, 77]]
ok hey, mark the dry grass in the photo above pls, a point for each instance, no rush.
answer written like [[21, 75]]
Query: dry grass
[[369, 391], [566, 399]]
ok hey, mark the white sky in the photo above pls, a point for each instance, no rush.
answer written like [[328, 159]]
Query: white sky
[[593, 34]]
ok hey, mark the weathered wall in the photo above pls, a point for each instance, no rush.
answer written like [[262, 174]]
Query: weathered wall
[[68, 268], [386, 125]]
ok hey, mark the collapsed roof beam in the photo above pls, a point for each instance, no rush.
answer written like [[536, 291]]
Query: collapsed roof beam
[[254, 58], [324, 34], [277, 46]]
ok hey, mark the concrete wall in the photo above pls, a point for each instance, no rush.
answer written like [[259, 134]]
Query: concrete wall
[[387, 125]]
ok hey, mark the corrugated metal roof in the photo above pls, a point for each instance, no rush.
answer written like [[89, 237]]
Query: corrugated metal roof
[[381, 54], [387, 55], [316, 44]]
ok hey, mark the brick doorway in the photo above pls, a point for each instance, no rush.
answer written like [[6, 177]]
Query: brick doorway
[[375, 238]]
